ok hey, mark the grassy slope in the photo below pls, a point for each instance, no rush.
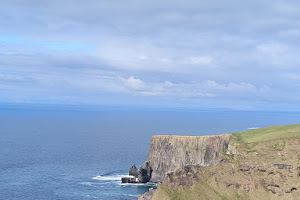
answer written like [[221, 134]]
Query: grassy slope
[[269, 133], [259, 147]]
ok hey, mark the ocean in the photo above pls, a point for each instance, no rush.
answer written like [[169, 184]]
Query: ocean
[[77, 153]]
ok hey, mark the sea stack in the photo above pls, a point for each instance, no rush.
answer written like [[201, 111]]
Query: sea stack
[[133, 176], [133, 171]]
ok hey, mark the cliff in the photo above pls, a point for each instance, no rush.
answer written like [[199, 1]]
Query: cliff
[[267, 165], [168, 153]]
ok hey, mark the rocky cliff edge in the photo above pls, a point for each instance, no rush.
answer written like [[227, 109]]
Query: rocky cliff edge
[[171, 152]]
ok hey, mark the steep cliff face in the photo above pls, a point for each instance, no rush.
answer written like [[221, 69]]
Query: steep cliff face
[[267, 166], [168, 153]]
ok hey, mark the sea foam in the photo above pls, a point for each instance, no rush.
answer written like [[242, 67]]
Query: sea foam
[[109, 177]]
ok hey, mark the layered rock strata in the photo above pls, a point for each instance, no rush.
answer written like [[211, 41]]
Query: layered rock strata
[[168, 152]]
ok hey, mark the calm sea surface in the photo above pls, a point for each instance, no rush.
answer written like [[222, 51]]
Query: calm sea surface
[[81, 154]]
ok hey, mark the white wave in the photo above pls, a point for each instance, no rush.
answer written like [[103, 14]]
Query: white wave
[[253, 128], [134, 184], [132, 195], [109, 177], [86, 183], [93, 197]]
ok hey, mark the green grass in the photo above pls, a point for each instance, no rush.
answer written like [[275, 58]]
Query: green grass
[[231, 156], [278, 146], [267, 134]]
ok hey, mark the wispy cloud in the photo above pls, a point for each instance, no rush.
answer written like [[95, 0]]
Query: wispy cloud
[[206, 88], [151, 51]]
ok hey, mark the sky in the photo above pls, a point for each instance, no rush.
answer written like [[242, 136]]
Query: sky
[[240, 55]]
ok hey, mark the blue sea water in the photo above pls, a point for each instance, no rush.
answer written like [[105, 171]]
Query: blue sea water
[[81, 154]]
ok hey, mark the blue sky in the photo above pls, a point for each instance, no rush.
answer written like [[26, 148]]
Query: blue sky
[[228, 54]]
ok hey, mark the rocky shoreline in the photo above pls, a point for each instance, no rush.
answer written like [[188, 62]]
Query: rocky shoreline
[[142, 175]]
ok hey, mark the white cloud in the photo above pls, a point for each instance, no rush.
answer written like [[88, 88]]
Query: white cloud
[[278, 54], [133, 83], [168, 84], [203, 89], [229, 87]]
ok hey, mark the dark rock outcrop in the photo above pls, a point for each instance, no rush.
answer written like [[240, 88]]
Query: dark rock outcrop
[[129, 179], [283, 166], [144, 173], [133, 171]]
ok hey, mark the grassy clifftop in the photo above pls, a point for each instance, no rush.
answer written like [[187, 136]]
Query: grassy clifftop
[[269, 133], [266, 165]]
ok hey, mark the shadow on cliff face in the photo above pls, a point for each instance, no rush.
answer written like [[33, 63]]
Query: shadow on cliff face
[[144, 173]]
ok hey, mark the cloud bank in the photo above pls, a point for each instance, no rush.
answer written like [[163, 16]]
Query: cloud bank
[[205, 54]]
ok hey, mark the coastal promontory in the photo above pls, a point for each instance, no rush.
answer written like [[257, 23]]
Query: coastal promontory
[[256, 164]]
